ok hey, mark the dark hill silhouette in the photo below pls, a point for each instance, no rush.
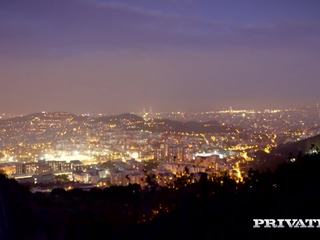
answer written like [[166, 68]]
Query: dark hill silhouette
[[286, 153], [302, 146], [161, 125], [120, 117]]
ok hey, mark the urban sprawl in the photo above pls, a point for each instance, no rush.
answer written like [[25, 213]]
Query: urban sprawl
[[47, 150]]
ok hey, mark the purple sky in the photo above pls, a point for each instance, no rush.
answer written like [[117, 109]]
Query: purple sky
[[187, 55]]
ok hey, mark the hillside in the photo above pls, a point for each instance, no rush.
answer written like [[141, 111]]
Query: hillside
[[302, 146], [208, 209]]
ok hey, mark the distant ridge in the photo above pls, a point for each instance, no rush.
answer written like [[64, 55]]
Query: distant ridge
[[127, 121]]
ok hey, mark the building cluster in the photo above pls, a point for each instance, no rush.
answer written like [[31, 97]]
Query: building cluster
[[60, 148]]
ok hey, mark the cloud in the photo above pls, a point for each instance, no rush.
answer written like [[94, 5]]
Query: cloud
[[72, 26], [130, 8]]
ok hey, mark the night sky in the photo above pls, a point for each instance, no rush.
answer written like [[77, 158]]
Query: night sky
[[114, 56]]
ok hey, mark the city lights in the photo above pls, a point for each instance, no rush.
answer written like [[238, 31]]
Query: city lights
[[114, 150]]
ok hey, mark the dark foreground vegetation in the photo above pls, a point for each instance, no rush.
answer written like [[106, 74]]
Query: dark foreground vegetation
[[219, 209]]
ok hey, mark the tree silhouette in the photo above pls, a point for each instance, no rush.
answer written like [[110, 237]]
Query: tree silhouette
[[207, 209]]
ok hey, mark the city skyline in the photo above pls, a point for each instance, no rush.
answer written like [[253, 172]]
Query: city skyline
[[120, 56], [149, 110]]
